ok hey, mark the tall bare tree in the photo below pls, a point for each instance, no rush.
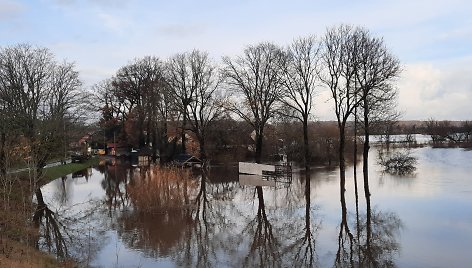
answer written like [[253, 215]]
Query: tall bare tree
[[300, 77], [181, 80], [376, 69], [194, 82], [134, 84], [205, 105], [255, 78], [339, 57]]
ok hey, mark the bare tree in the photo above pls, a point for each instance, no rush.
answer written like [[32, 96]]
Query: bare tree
[[339, 57], [376, 68], [181, 81], [195, 82], [37, 93], [256, 78], [300, 80], [134, 84]]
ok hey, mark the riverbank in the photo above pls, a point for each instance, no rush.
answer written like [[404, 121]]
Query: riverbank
[[18, 236], [55, 172]]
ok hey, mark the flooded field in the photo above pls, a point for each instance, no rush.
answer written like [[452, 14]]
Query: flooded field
[[216, 220]]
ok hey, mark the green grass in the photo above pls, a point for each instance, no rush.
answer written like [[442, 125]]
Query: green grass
[[52, 173]]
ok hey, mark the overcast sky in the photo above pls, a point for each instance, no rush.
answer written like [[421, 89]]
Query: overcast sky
[[432, 38]]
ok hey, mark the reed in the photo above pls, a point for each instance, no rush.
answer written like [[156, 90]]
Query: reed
[[161, 189]]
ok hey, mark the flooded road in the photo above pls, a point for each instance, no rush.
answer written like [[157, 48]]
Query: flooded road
[[214, 220]]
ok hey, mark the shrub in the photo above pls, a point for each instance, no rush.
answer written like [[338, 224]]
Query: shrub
[[399, 162]]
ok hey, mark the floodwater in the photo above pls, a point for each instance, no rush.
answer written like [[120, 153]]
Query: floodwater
[[419, 220]]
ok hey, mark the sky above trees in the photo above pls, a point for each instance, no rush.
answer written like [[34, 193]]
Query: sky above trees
[[433, 39]]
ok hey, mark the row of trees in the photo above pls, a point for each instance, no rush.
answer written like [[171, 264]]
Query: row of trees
[[148, 94], [39, 97], [441, 131], [264, 82]]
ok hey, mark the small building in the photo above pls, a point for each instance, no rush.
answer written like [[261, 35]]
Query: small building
[[144, 157]]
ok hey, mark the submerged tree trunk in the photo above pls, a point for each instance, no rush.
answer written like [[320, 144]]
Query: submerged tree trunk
[[365, 153], [342, 162], [305, 143]]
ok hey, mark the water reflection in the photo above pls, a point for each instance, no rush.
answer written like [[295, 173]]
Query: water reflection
[[53, 232], [264, 249], [114, 182], [211, 220], [182, 225], [375, 243], [304, 247]]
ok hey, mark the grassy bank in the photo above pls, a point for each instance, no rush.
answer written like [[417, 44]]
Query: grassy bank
[[52, 173]]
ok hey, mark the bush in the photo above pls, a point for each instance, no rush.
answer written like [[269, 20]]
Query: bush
[[399, 162]]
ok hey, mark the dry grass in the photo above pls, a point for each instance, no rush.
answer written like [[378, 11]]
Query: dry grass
[[17, 233], [162, 189], [14, 254]]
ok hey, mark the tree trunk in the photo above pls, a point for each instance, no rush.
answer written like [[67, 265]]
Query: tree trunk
[[3, 168], [305, 143], [259, 147], [163, 143], [39, 213], [184, 124], [365, 154], [342, 162], [307, 200], [142, 138], [154, 145], [202, 149]]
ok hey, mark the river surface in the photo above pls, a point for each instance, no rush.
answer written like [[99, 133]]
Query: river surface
[[419, 220]]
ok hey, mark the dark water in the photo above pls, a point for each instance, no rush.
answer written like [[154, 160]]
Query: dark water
[[420, 220]]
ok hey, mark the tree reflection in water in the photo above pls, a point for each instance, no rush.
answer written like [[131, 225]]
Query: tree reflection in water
[[62, 231], [184, 226], [376, 238], [264, 249], [345, 253], [52, 230], [305, 255], [199, 223], [114, 182]]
